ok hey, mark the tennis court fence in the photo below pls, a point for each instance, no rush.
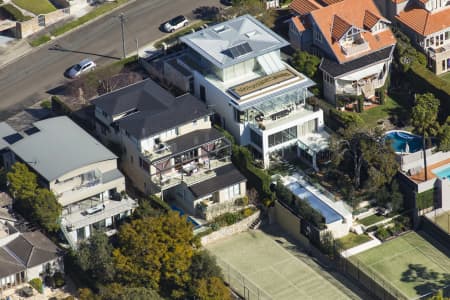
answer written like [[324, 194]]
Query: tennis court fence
[[240, 284]]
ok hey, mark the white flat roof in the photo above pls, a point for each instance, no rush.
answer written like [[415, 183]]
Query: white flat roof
[[234, 41]]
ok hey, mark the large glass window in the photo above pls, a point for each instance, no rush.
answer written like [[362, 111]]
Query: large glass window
[[232, 192], [283, 136], [256, 139]]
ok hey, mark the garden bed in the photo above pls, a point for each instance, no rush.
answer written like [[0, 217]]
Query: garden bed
[[352, 240], [370, 220], [37, 7]]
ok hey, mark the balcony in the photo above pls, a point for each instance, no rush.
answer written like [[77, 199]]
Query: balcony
[[190, 173], [355, 48], [94, 210], [104, 182], [278, 118]]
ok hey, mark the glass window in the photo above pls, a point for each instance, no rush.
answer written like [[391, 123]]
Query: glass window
[[256, 138], [283, 136]]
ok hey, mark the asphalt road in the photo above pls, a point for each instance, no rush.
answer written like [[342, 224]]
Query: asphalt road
[[29, 79]]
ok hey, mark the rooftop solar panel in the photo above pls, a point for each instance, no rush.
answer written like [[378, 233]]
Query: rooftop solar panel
[[13, 138], [240, 50]]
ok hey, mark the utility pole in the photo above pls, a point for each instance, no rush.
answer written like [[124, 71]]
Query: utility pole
[[122, 22]]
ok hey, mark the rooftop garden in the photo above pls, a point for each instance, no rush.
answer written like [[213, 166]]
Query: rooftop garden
[[352, 240]]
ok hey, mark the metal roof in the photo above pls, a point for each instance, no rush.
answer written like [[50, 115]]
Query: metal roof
[[234, 41], [60, 146]]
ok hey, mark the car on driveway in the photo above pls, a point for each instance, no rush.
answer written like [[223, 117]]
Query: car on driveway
[[83, 66], [175, 23]]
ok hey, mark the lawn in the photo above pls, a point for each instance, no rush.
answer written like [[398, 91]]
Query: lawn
[[259, 268], [410, 264], [384, 111], [37, 7], [443, 221], [371, 220], [446, 77], [352, 240]]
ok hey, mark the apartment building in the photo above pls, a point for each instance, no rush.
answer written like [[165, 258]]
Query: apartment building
[[168, 145], [353, 39], [235, 67], [80, 171]]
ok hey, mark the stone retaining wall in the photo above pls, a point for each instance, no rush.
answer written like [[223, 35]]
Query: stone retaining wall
[[240, 226]]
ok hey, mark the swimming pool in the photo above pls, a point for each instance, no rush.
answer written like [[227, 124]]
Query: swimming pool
[[443, 172], [330, 214], [189, 219], [403, 141]]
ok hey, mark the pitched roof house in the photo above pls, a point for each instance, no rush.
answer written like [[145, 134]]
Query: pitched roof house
[[354, 40], [427, 23]]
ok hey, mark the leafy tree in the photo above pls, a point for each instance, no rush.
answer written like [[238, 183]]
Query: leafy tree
[[306, 63], [156, 253], [396, 197], [424, 120], [424, 115], [94, 256], [444, 136], [211, 288], [87, 294], [116, 291], [22, 182], [358, 147], [204, 265], [46, 209]]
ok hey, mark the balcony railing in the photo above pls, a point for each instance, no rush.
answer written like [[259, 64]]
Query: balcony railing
[[354, 48], [284, 115]]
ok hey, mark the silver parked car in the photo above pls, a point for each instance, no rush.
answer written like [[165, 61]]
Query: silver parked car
[[83, 66]]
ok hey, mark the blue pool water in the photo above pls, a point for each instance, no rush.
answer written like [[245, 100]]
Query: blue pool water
[[443, 172], [330, 214], [189, 219], [401, 141]]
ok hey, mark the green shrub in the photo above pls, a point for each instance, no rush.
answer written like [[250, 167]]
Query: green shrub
[[46, 104], [425, 199], [36, 283], [247, 212], [215, 226], [383, 233], [14, 13], [243, 201], [59, 279], [40, 40], [230, 218], [156, 202]]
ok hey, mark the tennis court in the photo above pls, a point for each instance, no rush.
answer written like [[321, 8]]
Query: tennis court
[[410, 264], [258, 268]]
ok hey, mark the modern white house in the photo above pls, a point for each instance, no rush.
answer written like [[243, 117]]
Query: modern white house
[[353, 39], [235, 67], [25, 256], [169, 148], [79, 170], [427, 23]]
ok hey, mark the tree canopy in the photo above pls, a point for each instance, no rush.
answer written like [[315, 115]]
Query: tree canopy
[[22, 182], [306, 63], [46, 210], [424, 115], [155, 253]]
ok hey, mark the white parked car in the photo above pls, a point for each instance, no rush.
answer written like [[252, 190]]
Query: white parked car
[[176, 23], [83, 66]]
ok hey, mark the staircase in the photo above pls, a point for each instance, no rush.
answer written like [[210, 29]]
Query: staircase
[[256, 223], [66, 234]]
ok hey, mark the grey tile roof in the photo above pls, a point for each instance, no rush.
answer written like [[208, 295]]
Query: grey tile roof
[[336, 69], [225, 176], [28, 250], [5, 130], [153, 108], [59, 147], [223, 43], [33, 248]]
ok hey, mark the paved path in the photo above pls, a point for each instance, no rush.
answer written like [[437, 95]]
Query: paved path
[[31, 78]]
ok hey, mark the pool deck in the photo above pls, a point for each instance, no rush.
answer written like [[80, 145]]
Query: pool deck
[[420, 177]]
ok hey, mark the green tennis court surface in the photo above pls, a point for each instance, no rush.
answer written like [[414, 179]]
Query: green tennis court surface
[[410, 263], [258, 268]]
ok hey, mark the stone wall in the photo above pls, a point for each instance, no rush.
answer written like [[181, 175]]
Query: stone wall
[[27, 28], [240, 226]]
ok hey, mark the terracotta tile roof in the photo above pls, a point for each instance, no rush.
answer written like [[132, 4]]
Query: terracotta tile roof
[[353, 12], [398, 1], [424, 1], [370, 19], [424, 22], [298, 23], [304, 7], [329, 2], [339, 27]]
